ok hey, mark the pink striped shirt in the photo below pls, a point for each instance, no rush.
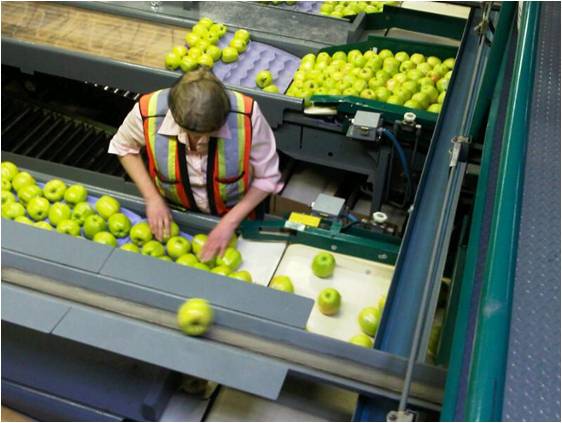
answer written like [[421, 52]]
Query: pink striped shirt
[[264, 160]]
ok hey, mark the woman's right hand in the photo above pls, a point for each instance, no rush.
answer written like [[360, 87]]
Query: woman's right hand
[[159, 216]]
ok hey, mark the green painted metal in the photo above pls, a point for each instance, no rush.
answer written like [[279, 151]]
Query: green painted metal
[[355, 242], [458, 343], [391, 112], [487, 372], [414, 20]]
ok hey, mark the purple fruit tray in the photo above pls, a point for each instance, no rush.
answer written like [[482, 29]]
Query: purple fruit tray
[[257, 57], [133, 217], [303, 6]]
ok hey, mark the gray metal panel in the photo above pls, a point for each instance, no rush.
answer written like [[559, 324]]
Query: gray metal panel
[[185, 282], [532, 387], [31, 310], [171, 349], [55, 247]]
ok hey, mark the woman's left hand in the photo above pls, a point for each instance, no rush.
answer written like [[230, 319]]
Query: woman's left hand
[[218, 240]]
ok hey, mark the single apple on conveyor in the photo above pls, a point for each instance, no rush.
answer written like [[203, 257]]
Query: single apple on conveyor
[[323, 265], [195, 316]]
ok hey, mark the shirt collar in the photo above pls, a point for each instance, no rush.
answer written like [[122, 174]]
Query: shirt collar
[[170, 128]]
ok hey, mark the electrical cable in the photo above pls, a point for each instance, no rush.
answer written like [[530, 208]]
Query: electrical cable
[[402, 157]]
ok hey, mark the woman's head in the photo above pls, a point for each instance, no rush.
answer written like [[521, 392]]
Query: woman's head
[[198, 102]]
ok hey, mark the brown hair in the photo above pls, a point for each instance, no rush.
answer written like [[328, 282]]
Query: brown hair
[[198, 101]]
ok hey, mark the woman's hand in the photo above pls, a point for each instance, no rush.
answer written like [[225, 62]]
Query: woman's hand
[[218, 240], [159, 216]]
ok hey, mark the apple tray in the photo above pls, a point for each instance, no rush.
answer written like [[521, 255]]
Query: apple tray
[[361, 283]]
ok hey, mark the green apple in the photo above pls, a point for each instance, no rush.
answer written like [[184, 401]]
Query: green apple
[[365, 74], [242, 275], [119, 225], [219, 29], [153, 248], [426, 80], [375, 63], [22, 179], [271, 89], [450, 63], [54, 190], [350, 91], [403, 93], [195, 316], [369, 54], [68, 227], [442, 85], [206, 22], [424, 68], [369, 319], [414, 75], [434, 108], [264, 78], [394, 99], [140, 233], [407, 65], [359, 85], [382, 94], [375, 83], [431, 92], [12, 210], [215, 52], [221, 270], [308, 58], [178, 246], [23, 219], [238, 44], [92, 225], [362, 340], [38, 208], [206, 60], [195, 53], [10, 170], [359, 61], [187, 260], [336, 14], [323, 57], [441, 97], [43, 225], [198, 242], [213, 39], [191, 39], [107, 206], [165, 258], [174, 230], [385, 53], [106, 238], [339, 55], [329, 301], [231, 258], [6, 185], [188, 63], [447, 76], [334, 91], [81, 211], [433, 61], [202, 266], [203, 45], [411, 86], [180, 50], [392, 84], [323, 265], [421, 98], [27, 192], [412, 104], [282, 283], [129, 246], [229, 55], [199, 29], [368, 94], [382, 75], [7, 197], [326, 8], [58, 212], [417, 58], [243, 35], [76, 194], [353, 54], [172, 61], [402, 56]]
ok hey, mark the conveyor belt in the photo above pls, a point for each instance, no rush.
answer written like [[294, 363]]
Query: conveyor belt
[[532, 387], [30, 130]]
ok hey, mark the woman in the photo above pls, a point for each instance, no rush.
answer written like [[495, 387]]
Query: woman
[[209, 149]]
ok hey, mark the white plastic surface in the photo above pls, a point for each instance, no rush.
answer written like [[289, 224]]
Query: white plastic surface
[[260, 258], [361, 283]]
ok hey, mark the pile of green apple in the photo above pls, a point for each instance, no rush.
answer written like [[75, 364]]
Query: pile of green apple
[[264, 80], [413, 81], [339, 9], [201, 47]]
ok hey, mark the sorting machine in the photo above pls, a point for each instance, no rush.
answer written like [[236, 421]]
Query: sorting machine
[[89, 331]]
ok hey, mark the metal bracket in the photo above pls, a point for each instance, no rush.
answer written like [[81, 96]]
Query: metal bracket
[[401, 416], [459, 142]]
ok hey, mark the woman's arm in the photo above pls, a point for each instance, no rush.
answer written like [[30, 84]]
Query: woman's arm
[[157, 211], [222, 233]]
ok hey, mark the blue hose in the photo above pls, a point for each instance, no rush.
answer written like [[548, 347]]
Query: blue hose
[[401, 156]]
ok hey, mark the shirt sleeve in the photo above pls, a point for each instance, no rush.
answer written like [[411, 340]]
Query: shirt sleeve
[[263, 157], [129, 138]]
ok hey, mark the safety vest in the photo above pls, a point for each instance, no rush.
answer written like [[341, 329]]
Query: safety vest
[[228, 165]]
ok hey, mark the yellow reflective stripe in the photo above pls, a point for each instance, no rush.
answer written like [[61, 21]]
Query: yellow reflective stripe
[[241, 119], [222, 168], [152, 107]]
